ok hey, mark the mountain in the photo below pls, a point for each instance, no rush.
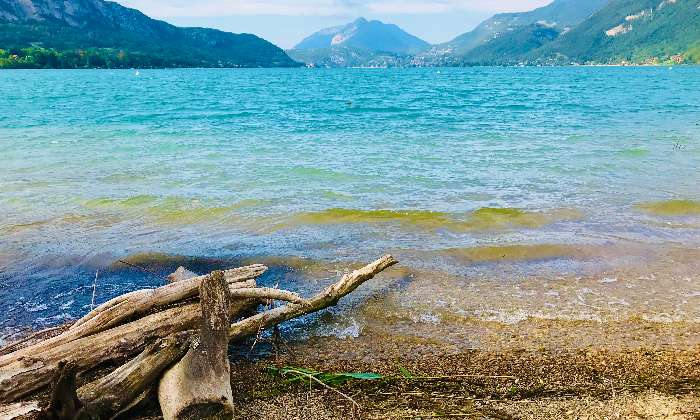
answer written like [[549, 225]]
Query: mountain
[[361, 43], [636, 31], [97, 33], [560, 14], [367, 35]]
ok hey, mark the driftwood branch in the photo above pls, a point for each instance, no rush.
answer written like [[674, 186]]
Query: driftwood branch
[[266, 293], [329, 297], [131, 305]]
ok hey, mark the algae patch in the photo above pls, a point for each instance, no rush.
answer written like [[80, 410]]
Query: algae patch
[[671, 207], [512, 252], [483, 219], [171, 210]]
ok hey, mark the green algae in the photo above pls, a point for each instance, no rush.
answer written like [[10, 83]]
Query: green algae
[[152, 259], [634, 152], [120, 203], [512, 252], [671, 207], [171, 210], [479, 220], [418, 218]]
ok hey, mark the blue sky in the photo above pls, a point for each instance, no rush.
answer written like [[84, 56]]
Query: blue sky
[[286, 22]]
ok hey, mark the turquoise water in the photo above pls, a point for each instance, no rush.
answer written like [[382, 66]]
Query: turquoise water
[[237, 164]]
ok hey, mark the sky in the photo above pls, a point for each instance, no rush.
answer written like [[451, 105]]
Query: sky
[[286, 22]]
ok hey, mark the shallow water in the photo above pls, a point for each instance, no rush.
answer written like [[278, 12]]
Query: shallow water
[[450, 171]]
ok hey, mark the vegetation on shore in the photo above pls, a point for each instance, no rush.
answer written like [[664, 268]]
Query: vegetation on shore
[[50, 58]]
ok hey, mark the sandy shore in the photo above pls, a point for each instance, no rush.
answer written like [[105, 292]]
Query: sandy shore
[[515, 384]]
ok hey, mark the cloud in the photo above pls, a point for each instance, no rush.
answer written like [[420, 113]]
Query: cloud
[[218, 8], [408, 7]]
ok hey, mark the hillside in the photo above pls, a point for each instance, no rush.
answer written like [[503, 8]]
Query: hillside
[[512, 48], [96, 33], [633, 30], [560, 14]]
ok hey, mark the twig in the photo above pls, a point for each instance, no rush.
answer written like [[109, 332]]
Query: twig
[[94, 289], [143, 269], [315, 379], [258, 337]]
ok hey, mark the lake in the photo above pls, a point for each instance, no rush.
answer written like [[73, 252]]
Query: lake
[[498, 177]]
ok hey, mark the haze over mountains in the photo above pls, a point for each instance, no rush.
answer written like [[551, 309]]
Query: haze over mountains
[[97, 33]]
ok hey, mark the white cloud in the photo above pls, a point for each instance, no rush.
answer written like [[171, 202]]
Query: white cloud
[[218, 8], [408, 7]]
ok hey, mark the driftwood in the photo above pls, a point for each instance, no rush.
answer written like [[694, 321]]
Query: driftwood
[[23, 409], [140, 302], [199, 385], [160, 337], [26, 374], [132, 304], [110, 394]]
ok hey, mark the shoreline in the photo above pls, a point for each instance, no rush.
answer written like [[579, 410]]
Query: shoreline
[[530, 368], [507, 382]]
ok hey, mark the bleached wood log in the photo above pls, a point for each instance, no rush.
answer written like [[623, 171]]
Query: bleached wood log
[[199, 385], [181, 274], [141, 301]]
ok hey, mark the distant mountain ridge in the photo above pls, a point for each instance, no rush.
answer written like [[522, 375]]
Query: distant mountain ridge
[[560, 14], [622, 31], [367, 35], [98, 33], [113, 32]]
